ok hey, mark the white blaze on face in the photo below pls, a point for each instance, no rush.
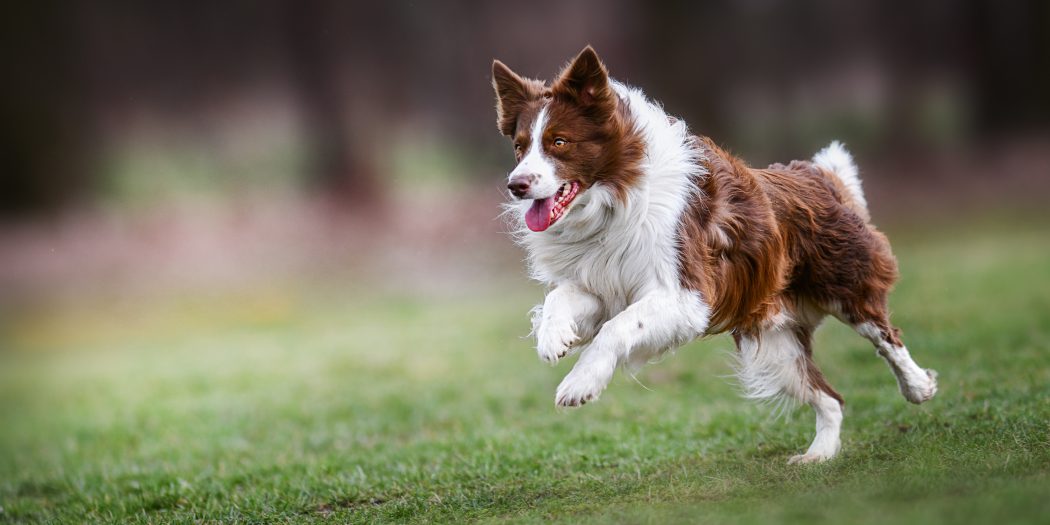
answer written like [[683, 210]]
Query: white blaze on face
[[535, 163]]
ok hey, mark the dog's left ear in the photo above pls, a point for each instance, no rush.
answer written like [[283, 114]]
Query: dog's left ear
[[585, 80]]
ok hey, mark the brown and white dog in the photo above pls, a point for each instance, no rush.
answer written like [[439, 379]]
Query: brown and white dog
[[649, 237]]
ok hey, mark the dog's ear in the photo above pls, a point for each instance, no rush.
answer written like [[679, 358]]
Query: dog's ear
[[513, 93], [585, 80]]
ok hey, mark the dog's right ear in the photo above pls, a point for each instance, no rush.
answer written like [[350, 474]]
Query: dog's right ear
[[513, 93]]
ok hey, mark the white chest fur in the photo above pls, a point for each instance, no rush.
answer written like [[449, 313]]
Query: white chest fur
[[619, 250]]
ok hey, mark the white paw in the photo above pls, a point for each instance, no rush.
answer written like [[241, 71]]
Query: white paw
[[579, 387], [809, 457], [824, 447], [555, 340], [922, 388]]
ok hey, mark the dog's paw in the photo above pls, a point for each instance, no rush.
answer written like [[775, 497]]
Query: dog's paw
[[579, 387], [921, 389], [555, 341], [809, 457]]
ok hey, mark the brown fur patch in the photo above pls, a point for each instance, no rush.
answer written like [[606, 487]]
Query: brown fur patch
[[732, 250], [783, 234]]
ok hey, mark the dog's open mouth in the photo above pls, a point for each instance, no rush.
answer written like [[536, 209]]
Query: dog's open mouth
[[545, 212]]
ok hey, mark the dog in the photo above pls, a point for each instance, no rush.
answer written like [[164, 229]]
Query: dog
[[649, 237]]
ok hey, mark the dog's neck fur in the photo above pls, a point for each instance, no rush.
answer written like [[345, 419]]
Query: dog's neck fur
[[619, 249]]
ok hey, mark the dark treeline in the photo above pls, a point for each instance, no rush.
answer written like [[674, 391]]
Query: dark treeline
[[354, 73]]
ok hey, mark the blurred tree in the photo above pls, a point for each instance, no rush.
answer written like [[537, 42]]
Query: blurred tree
[[45, 155], [335, 161], [1008, 59]]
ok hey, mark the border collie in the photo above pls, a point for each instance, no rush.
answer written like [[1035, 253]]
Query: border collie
[[649, 237]]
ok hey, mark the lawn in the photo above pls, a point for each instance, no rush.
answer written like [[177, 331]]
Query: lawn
[[339, 403]]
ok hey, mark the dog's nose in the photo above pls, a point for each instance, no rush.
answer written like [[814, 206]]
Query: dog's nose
[[519, 185]]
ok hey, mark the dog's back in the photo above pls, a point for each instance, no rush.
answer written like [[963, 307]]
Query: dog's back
[[760, 239]]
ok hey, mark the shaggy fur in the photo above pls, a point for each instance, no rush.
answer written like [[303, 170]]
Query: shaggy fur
[[670, 238]]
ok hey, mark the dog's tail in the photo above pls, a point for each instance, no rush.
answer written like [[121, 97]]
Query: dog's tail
[[836, 160]]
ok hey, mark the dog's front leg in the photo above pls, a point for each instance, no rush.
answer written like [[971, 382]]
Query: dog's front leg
[[659, 320], [569, 317]]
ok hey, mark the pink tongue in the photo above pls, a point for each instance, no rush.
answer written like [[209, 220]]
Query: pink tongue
[[538, 218]]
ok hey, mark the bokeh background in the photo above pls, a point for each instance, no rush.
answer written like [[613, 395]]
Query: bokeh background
[[200, 146], [252, 266]]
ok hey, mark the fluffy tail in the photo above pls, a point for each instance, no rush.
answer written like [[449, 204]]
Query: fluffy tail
[[836, 160]]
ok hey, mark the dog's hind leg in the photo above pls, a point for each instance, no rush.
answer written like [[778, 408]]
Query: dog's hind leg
[[917, 384], [869, 316], [776, 362]]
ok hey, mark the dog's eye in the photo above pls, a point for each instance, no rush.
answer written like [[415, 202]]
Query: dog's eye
[[559, 142]]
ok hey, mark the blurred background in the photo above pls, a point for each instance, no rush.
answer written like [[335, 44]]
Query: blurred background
[[252, 266], [196, 148]]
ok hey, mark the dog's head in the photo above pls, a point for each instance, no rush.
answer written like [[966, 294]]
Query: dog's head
[[569, 137]]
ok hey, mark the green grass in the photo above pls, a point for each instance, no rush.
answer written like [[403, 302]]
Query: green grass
[[295, 405]]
